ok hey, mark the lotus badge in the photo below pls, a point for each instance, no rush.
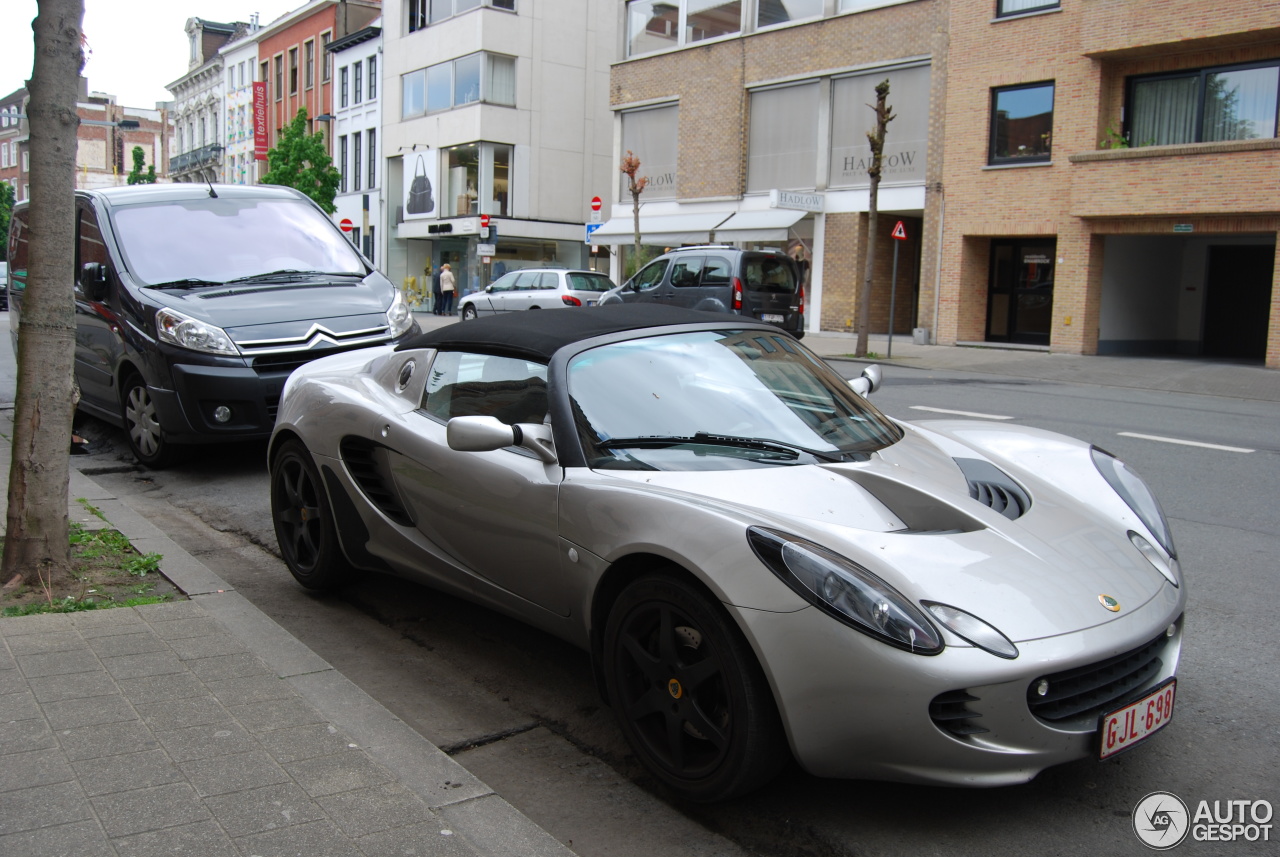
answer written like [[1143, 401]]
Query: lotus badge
[[1110, 603]]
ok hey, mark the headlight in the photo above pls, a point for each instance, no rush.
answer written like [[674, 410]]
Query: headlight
[[1134, 491], [971, 629], [846, 591], [399, 318], [185, 332]]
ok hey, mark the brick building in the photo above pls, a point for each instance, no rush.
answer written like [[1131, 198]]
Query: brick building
[[13, 139], [1111, 177], [750, 120]]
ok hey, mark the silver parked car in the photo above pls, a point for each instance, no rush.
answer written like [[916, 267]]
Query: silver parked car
[[760, 562], [536, 288]]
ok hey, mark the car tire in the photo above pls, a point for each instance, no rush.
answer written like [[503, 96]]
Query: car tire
[[147, 438], [469, 312], [304, 523], [688, 692]]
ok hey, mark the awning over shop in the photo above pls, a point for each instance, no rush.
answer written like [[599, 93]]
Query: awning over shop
[[770, 224], [660, 229]]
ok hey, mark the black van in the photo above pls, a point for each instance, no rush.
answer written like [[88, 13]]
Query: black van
[[195, 302], [762, 284]]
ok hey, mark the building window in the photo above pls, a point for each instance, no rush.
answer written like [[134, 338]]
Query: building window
[[1018, 7], [655, 25], [310, 49], [477, 180], [769, 14], [907, 142], [279, 77], [342, 86], [231, 80], [417, 15], [327, 65], [357, 83], [490, 78], [783, 138], [293, 71], [372, 136], [356, 161], [373, 78], [342, 163], [1021, 124], [1204, 105], [651, 135]]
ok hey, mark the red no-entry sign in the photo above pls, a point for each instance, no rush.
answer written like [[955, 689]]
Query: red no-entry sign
[[595, 203], [345, 224], [484, 221]]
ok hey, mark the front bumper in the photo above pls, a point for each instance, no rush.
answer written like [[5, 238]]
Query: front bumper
[[862, 710]]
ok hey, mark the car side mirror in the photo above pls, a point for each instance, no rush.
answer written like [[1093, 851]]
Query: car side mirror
[[486, 434], [488, 288], [866, 383], [93, 280]]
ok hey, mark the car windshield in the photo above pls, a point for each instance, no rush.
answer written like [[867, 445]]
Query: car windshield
[[221, 239], [714, 400], [590, 282]]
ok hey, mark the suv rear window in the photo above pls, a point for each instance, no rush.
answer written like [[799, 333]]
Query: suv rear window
[[769, 274]]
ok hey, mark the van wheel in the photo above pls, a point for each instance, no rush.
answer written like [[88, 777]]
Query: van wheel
[[142, 426], [468, 312]]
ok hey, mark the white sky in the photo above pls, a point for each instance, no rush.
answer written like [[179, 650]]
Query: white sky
[[137, 45]]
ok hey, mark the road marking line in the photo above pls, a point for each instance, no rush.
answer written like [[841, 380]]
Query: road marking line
[[1184, 442], [960, 413]]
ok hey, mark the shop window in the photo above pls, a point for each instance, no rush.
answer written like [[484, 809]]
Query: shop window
[[1204, 105], [1021, 124], [651, 135], [1020, 7], [477, 180], [907, 142], [783, 138]]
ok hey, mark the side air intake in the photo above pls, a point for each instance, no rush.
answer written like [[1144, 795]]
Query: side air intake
[[994, 488]]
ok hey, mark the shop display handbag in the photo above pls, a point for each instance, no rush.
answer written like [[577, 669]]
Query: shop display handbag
[[420, 200]]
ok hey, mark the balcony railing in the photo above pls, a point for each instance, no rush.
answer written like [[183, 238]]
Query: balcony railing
[[195, 159]]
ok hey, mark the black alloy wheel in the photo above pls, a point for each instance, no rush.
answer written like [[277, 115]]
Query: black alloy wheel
[[688, 692], [142, 427], [303, 520]]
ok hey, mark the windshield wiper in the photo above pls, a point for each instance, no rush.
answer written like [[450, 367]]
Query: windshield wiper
[[184, 283], [705, 439], [293, 272]]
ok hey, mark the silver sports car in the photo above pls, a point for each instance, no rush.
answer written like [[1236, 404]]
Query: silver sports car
[[759, 561]]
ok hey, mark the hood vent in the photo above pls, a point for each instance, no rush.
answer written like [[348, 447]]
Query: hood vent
[[994, 488]]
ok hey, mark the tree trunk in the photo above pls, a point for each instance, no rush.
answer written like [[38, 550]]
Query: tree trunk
[[884, 116], [36, 543]]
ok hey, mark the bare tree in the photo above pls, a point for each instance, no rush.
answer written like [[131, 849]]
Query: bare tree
[[884, 115], [630, 166], [36, 545]]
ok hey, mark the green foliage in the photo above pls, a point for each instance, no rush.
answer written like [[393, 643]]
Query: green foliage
[[301, 160], [5, 209], [1113, 139], [137, 175], [142, 565]]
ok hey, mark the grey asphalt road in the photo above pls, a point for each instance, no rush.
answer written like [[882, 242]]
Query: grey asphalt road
[[519, 708]]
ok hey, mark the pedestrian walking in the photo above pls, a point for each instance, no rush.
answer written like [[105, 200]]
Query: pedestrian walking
[[446, 288], [435, 291]]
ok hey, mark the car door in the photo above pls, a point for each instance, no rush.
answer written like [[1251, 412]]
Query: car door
[[545, 292], [647, 285], [524, 293], [489, 301], [684, 283], [495, 513], [98, 335]]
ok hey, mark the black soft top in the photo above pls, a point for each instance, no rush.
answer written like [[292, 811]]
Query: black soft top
[[537, 335]]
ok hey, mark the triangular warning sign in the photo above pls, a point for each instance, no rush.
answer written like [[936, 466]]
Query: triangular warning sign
[[900, 231]]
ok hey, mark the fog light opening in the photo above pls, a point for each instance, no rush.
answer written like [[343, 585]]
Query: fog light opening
[[1042, 688], [222, 414]]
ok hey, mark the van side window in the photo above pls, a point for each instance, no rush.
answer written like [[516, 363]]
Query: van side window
[[716, 271], [650, 275], [685, 271], [89, 244]]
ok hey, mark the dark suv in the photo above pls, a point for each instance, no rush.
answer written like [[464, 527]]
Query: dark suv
[[762, 284], [194, 303]]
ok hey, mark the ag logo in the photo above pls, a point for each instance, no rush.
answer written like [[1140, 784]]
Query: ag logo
[[1161, 820]]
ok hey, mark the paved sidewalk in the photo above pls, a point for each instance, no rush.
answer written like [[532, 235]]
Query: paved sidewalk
[[203, 728]]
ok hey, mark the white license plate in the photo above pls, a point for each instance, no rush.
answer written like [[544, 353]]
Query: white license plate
[[591, 303], [772, 317], [1120, 730]]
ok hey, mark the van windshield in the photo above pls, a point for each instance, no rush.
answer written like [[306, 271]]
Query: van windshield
[[217, 240]]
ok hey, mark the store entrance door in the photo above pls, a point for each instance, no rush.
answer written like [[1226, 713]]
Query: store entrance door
[[1238, 300], [1020, 290]]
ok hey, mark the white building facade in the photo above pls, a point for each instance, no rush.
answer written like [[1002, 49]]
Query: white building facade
[[356, 134], [198, 96], [497, 109], [240, 64]]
